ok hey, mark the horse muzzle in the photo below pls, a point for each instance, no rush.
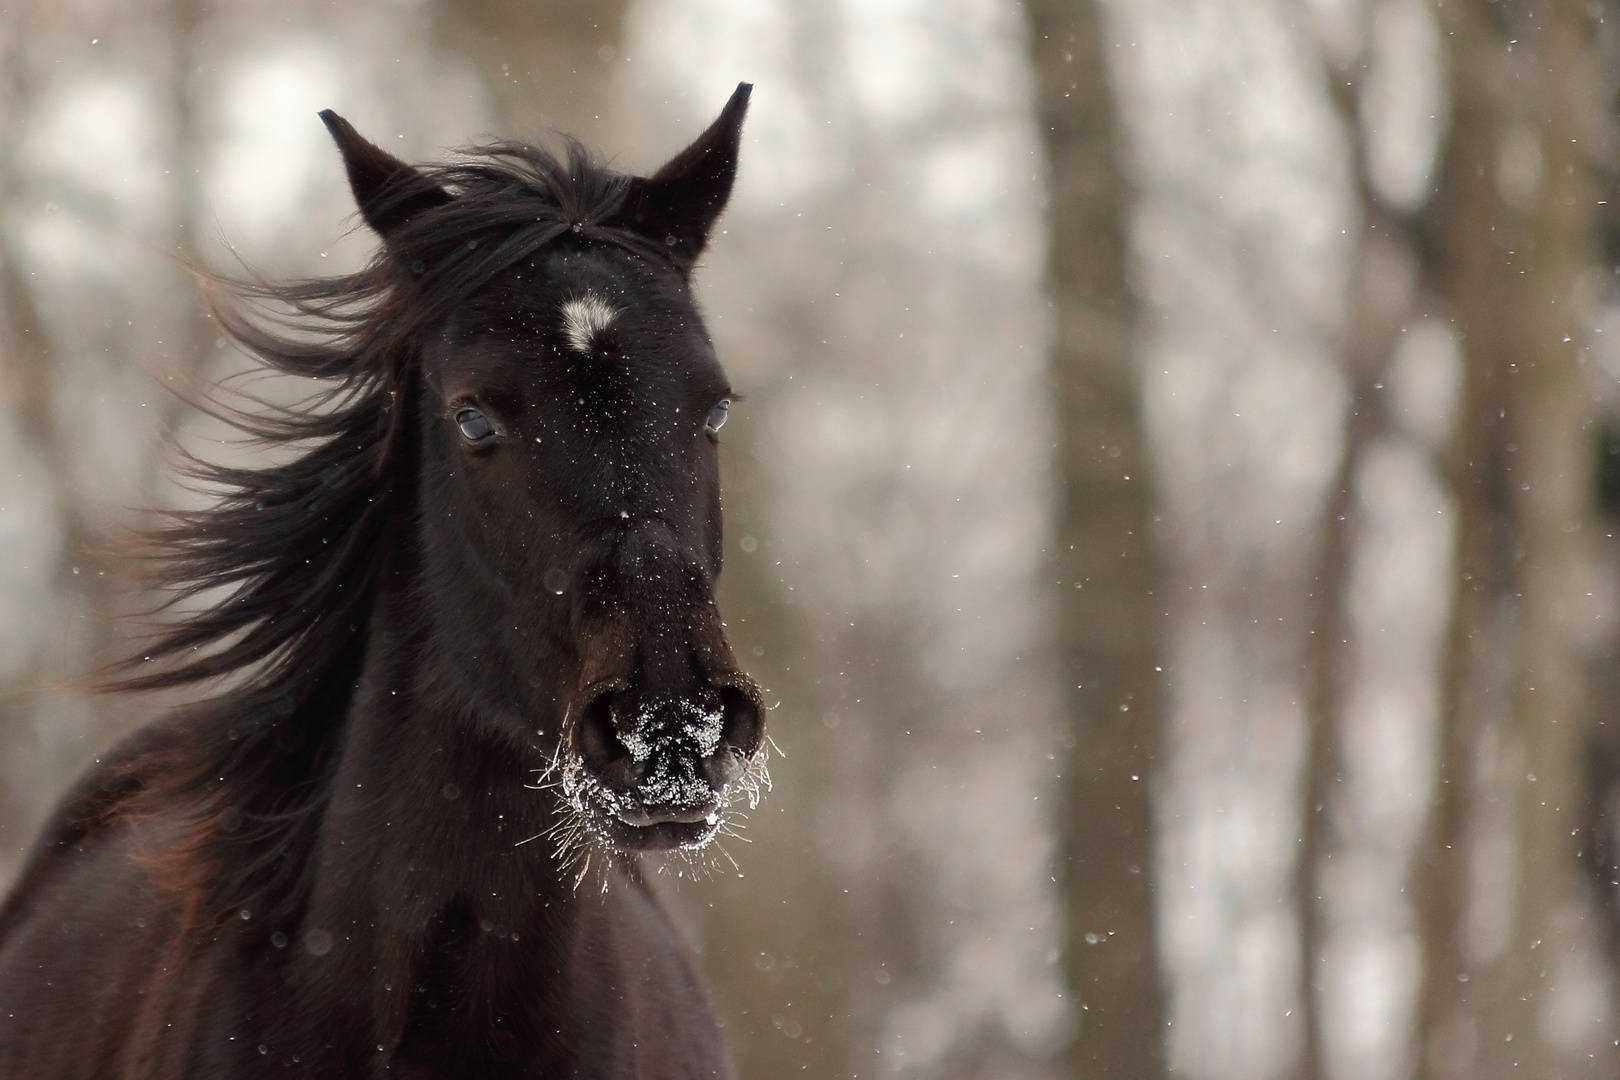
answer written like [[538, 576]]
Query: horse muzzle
[[658, 768], [665, 727]]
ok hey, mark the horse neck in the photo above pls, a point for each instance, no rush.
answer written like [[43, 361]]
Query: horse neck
[[435, 827]]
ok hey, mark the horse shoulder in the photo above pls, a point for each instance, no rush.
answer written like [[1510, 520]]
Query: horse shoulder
[[87, 809], [77, 959], [86, 931]]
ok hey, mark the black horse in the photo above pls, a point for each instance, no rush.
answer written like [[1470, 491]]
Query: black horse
[[470, 603]]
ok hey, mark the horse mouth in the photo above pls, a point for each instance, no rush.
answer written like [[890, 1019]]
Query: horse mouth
[[625, 823], [663, 835], [636, 826]]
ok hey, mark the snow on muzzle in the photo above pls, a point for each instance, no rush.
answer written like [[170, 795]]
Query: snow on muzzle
[[669, 758], [661, 766]]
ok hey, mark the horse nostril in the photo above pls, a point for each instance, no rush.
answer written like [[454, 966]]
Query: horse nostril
[[721, 769], [740, 727], [599, 745]]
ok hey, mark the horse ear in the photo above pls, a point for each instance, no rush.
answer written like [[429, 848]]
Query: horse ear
[[388, 191], [677, 206]]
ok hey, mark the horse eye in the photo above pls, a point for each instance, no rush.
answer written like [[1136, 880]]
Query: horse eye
[[717, 418], [475, 426]]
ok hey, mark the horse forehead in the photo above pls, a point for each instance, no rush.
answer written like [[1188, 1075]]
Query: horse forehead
[[586, 321], [582, 292], [586, 316]]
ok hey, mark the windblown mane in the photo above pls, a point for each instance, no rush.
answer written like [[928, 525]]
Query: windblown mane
[[293, 549]]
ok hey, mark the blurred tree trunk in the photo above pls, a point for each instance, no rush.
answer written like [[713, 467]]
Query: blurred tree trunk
[[548, 63], [1511, 229], [188, 28], [1383, 583], [1109, 630]]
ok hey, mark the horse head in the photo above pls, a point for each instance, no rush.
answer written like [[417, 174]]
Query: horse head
[[567, 403]]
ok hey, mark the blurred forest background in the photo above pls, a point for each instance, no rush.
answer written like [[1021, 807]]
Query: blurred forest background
[[1175, 502]]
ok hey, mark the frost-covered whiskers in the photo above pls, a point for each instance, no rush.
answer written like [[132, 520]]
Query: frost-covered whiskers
[[584, 317], [581, 841], [658, 767]]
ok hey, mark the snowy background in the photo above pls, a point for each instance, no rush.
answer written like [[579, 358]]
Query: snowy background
[[1167, 471]]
